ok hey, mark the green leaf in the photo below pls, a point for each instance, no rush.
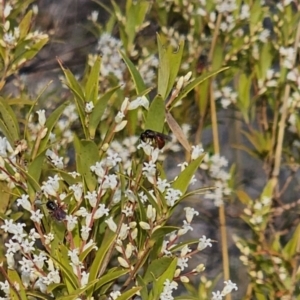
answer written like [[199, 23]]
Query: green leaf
[[50, 123], [96, 115], [194, 83], [158, 286], [77, 91], [183, 180], [130, 293], [73, 84], [92, 85], [34, 173], [135, 15], [30, 52], [38, 295], [291, 248], [110, 276], [9, 122], [156, 115], [78, 292], [25, 25], [244, 86], [169, 63], [140, 86], [162, 231], [68, 276], [87, 154], [15, 278], [156, 268], [109, 239]]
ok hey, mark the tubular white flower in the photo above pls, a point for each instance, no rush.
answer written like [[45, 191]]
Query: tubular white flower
[[111, 224], [24, 202], [190, 213], [41, 117]]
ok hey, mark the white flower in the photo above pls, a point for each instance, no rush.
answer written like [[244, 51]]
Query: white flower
[[98, 169], [24, 202], [42, 117], [197, 151], [119, 117], [162, 184], [229, 286], [36, 216], [203, 243], [101, 211], [77, 191], [172, 196], [217, 296], [114, 295], [92, 197], [7, 10], [111, 224], [89, 106], [168, 289], [71, 222], [84, 278], [85, 232], [190, 213], [139, 101]]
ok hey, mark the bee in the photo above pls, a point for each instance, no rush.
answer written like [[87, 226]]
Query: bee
[[56, 211], [156, 138], [202, 63]]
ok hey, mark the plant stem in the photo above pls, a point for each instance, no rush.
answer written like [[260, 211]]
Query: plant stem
[[216, 144]]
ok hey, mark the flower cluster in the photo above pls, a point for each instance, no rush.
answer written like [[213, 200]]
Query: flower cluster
[[215, 164]]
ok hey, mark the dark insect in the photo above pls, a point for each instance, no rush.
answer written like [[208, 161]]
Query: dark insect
[[156, 138], [56, 211], [202, 63]]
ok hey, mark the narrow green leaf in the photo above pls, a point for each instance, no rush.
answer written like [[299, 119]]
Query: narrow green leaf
[[78, 292], [73, 84], [169, 64], [183, 180], [143, 284], [25, 24], [15, 278], [109, 239], [109, 277], [157, 268], [140, 86], [168, 274], [97, 113], [10, 121], [162, 231], [34, 173], [68, 276], [291, 248], [38, 295], [31, 52], [130, 293], [6, 132], [50, 123], [156, 115], [244, 86], [87, 154], [92, 84], [194, 83]]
